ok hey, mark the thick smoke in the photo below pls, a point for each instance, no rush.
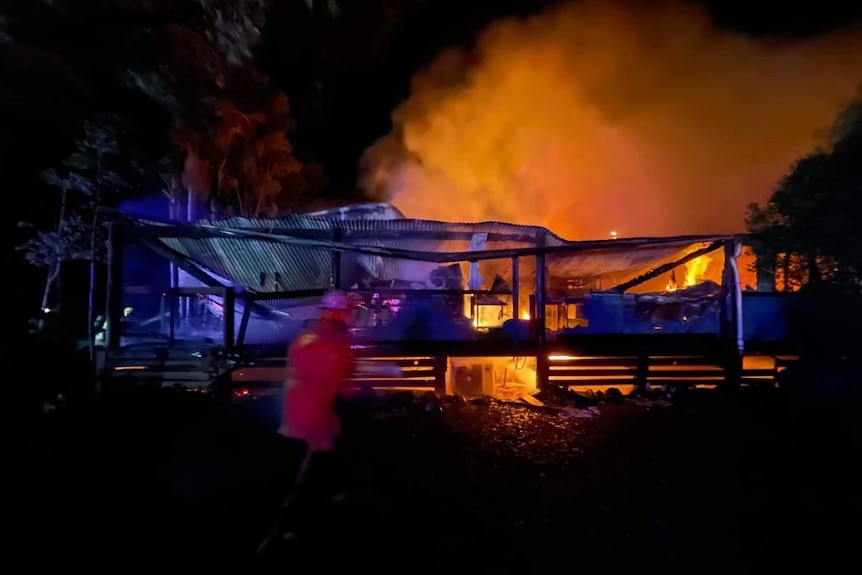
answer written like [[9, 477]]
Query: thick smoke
[[599, 117]]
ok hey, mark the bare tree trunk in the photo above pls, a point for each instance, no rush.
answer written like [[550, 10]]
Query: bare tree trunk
[[91, 304], [53, 274], [58, 291], [57, 280], [54, 269]]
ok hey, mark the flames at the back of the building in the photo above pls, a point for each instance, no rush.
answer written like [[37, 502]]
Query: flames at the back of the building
[[694, 272]]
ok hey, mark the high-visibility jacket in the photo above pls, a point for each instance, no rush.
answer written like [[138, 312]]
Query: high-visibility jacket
[[321, 360]]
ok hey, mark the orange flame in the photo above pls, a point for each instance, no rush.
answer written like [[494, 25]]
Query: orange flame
[[695, 273]]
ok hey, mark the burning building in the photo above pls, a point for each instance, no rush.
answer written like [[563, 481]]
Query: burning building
[[514, 295]]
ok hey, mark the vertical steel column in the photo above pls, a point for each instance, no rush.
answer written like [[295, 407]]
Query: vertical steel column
[[229, 313], [731, 312], [516, 294], [172, 298], [539, 320]]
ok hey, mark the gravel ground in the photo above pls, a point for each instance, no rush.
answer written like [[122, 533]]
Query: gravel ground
[[714, 482]]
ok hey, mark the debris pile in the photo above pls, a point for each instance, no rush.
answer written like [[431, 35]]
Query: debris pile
[[547, 427]]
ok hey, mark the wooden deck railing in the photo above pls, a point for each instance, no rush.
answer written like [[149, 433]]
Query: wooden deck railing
[[567, 366]]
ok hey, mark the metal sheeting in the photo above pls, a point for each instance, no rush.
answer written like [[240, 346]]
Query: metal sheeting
[[607, 262], [404, 269], [243, 260], [295, 268], [338, 218]]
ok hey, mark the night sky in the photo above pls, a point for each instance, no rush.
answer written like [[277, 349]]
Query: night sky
[[31, 105]]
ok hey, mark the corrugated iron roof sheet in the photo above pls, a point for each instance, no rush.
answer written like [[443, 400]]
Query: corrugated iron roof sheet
[[243, 260]]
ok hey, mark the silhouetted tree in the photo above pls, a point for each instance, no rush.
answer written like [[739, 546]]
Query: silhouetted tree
[[811, 226], [815, 210], [94, 173], [67, 241]]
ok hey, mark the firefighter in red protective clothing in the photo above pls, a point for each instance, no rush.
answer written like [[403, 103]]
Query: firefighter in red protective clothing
[[321, 360]]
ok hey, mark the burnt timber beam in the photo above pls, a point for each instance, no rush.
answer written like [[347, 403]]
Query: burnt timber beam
[[243, 323], [654, 273]]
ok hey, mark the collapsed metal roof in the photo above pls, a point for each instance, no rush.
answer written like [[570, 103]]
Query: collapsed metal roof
[[295, 253]]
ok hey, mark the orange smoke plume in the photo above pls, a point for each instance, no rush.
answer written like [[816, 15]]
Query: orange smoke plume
[[599, 117]]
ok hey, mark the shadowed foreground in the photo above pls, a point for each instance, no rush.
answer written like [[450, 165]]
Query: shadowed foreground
[[713, 482]]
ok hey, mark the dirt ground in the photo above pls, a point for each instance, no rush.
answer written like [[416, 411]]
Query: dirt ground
[[715, 481]]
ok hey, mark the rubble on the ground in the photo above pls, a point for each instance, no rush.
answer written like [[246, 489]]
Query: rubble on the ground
[[547, 426], [554, 402]]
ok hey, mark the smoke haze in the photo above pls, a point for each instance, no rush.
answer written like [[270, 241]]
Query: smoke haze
[[597, 117]]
